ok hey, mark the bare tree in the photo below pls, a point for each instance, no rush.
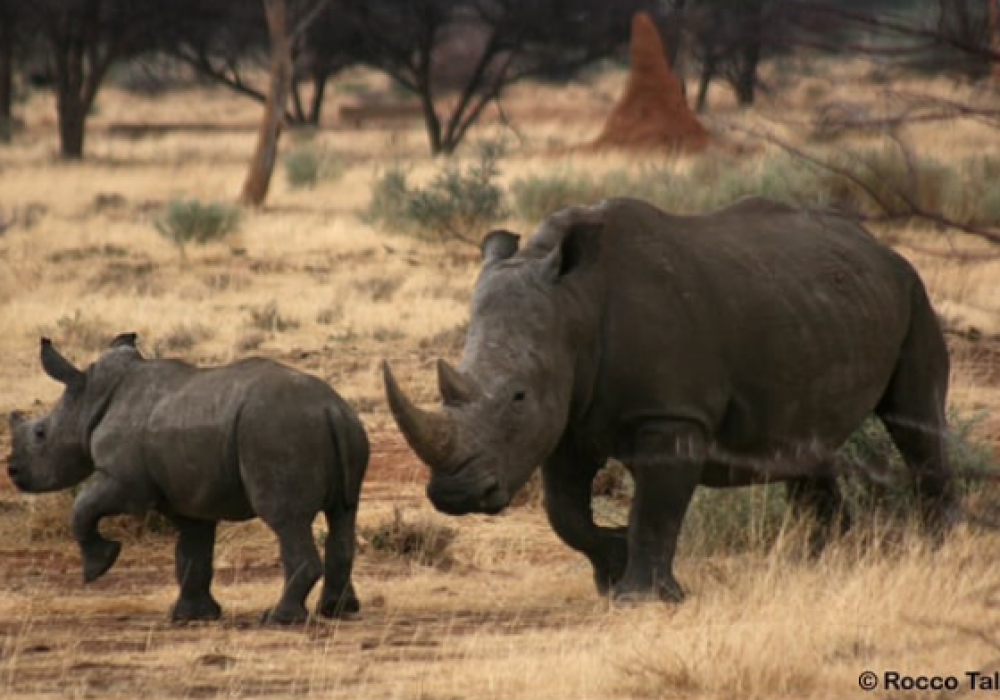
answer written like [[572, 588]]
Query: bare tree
[[729, 40], [516, 40], [286, 21], [85, 38], [954, 40], [230, 44]]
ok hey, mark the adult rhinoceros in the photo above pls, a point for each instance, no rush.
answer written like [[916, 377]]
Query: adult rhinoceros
[[740, 346], [253, 438]]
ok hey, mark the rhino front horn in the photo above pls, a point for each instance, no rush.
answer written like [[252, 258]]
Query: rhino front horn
[[431, 435]]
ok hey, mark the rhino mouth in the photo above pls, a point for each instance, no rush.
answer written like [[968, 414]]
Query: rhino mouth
[[463, 493], [17, 475]]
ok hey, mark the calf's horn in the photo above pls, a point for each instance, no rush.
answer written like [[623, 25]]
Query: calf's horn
[[431, 435]]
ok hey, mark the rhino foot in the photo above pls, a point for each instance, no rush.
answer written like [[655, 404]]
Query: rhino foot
[[609, 567], [193, 609], [287, 615], [98, 557], [343, 606], [667, 591]]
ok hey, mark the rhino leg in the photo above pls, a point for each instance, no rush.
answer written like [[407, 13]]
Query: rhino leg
[[102, 496], [302, 567], [913, 411], [567, 477], [338, 598], [666, 464], [193, 568], [819, 497]]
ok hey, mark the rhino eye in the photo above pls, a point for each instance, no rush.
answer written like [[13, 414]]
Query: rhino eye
[[39, 432], [518, 396]]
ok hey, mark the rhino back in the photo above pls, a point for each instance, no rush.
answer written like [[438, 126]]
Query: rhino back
[[760, 321], [223, 442]]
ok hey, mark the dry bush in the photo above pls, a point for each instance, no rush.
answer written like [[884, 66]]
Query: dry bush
[[227, 281], [181, 338], [421, 540], [269, 318], [127, 277]]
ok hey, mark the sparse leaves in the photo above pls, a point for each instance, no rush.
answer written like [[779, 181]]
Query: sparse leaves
[[457, 204], [305, 166]]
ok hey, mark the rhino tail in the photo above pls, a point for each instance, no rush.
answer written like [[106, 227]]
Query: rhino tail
[[351, 449]]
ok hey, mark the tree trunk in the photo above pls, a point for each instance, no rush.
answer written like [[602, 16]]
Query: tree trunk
[[6, 71], [319, 90], [297, 110], [258, 178], [707, 73], [431, 121], [71, 102], [72, 113], [672, 38], [746, 82], [994, 19], [746, 79]]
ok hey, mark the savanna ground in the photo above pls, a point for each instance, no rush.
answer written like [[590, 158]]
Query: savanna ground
[[484, 607]]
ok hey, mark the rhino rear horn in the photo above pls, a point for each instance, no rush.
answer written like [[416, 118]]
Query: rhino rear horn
[[431, 435], [455, 388], [57, 366]]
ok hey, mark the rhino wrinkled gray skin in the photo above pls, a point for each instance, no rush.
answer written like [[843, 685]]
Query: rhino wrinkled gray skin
[[737, 347], [249, 439]]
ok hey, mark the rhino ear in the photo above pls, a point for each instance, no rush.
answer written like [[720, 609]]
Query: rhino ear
[[58, 367], [578, 248], [124, 340], [498, 245]]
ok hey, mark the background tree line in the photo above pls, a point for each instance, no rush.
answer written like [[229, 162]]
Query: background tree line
[[283, 53]]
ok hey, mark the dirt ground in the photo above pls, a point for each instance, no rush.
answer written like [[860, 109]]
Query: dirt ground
[[504, 610]]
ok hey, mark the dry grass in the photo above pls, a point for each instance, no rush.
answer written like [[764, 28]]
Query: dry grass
[[513, 614]]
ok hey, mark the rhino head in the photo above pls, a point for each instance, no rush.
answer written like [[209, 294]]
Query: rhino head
[[507, 404], [51, 452]]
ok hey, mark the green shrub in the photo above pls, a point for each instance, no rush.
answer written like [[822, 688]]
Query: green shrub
[[458, 202], [301, 167], [389, 201], [305, 166], [192, 221]]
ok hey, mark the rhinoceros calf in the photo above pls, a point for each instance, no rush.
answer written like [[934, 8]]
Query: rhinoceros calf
[[249, 439], [740, 346]]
